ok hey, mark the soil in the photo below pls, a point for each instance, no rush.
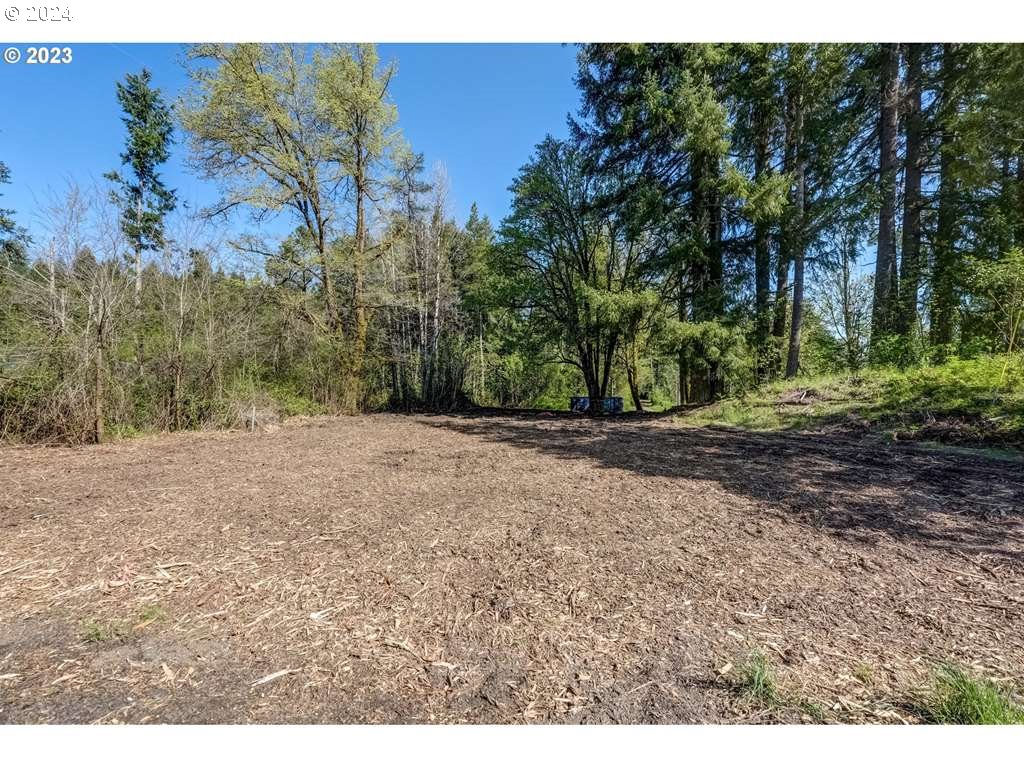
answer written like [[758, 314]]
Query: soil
[[494, 569]]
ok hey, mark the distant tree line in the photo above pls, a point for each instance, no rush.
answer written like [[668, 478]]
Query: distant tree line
[[720, 215]]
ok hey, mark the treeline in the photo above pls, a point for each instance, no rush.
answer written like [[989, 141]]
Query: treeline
[[764, 165], [719, 216]]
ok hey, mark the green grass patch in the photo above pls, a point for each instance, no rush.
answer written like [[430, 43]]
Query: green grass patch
[[959, 698], [152, 613], [976, 403], [756, 680], [95, 631]]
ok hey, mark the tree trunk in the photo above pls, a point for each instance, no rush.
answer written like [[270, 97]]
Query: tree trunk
[[796, 234], [943, 275], [483, 378], [353, 395], [849, 331], [793, 356], [1018, 230], [634, 391], [683, 313], [885, 261], [910, 264], [137, 308], [785, 248], [137, 298], [762, 256], [717, 281], [781, 306], [331, 316], [708, 271], [98, 394]]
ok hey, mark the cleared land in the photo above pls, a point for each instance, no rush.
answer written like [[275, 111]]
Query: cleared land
[[447, 569]]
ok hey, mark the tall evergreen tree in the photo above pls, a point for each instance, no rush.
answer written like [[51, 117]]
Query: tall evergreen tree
[[913, 200], [888, 141], [142, 196]]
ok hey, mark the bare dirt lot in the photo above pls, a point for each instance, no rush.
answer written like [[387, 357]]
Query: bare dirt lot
[[457, 569]]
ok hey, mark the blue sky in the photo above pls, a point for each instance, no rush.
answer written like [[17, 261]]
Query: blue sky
[[478, 109]]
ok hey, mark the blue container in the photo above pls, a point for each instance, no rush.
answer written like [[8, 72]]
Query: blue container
[[605, 405]]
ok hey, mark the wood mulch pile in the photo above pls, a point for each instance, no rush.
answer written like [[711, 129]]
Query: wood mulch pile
[[493, 569]]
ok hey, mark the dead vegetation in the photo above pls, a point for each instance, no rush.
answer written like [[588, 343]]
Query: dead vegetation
[[443, 569]]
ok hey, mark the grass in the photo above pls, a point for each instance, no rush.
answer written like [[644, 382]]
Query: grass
[[967, 402], [959, 698], [756, 680], [864, 673], [151, 613], [96, 631], [756, 684]]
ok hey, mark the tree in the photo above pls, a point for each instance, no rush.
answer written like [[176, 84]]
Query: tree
[[256, 126], [353, 91], [796, 165], [282, 128], [75, 292], [757, 117], [1001, 284], [913, 201], [944, 267], [888, 138], [843, 299], [14, 239], [565, 264], [473, 283], [142, 197]]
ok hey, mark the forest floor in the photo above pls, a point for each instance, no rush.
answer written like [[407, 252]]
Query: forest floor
[[494, 569]]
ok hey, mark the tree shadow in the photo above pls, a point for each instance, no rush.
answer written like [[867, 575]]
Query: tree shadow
[[852, 488]]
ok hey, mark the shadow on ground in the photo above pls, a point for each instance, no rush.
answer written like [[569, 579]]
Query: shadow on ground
[[853, 488]]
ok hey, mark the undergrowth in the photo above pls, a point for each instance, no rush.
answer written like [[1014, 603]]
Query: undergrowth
[[978, 402]]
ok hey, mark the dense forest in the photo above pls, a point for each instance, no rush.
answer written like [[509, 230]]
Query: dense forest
[[719, 216]]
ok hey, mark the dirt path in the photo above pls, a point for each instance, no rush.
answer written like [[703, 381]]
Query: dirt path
[[446, 569]]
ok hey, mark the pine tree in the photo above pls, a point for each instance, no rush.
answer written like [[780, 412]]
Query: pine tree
[[142, 196]]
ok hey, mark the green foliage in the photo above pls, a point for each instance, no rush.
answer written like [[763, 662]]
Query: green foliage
[[566, 265], [250, 388], [708, 346], [976, 393], [649, 254], [1000, 286], [756, 680], [143, 198], [13, 238], [959, 698]]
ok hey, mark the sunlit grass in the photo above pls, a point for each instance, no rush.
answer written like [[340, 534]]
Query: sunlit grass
[[959, 698], [987, 391]]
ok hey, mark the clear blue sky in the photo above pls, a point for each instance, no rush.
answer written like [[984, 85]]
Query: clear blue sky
[[478, 109]]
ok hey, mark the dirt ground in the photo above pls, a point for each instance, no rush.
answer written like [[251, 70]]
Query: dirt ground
[[489, 569]]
